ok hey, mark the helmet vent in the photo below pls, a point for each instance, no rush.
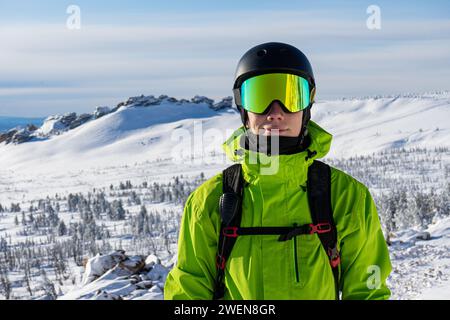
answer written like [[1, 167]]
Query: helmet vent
[[261, 53]]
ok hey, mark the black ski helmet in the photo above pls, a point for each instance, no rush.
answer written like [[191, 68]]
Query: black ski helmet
[[273, 57]]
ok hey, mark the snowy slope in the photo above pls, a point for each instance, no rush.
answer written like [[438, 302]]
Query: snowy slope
[[142, 137], [170, 138], [126, 134], [363, 126], [359, 126]]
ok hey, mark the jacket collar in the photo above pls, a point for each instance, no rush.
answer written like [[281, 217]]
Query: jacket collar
[[278, 169]]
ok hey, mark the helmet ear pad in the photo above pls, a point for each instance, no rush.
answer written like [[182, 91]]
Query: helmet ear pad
[[305, 119], [244, 116]]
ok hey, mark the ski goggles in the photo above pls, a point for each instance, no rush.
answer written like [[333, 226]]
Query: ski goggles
[[258, 92]]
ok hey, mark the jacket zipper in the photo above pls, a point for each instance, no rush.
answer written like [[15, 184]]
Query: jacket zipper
[[295, 257]]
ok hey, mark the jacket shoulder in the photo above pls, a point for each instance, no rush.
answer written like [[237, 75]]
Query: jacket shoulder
[[348, 198], [205, 199], [343, 179]]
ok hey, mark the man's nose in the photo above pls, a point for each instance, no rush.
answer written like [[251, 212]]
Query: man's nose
[[275, 111]]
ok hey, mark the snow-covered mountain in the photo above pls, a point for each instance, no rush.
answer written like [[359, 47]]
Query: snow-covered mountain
[[143, 129], [137, 130]]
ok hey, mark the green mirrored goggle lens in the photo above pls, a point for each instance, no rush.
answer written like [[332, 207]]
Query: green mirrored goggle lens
[[258, 92]]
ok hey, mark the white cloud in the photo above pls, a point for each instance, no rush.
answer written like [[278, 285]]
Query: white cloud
[[183, 55]]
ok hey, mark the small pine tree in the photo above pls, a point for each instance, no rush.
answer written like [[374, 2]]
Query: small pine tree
[[24, 221], [5, 284], [48, 286], [62, 229], [117, 212]]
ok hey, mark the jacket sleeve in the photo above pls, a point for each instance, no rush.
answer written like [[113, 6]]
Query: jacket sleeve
[[365, 262], [194, 273]]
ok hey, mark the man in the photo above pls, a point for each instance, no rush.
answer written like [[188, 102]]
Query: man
[[277, 248]]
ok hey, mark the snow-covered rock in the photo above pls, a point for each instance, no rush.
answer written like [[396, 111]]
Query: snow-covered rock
[[423, 236], [18, 135], [116, 276], [144, 101], [81, 119], [202, 99], [225, 103], [99, 264], [133, 264], [56, 124], [151, 261], [101, 111], [158, 272]]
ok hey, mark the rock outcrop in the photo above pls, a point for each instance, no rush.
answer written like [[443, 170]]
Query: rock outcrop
[[58, 124]]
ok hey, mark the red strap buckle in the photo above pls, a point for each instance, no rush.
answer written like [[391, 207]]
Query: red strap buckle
[[220, 262], [335, 257], [319, 228], [230, 232], [335, 262]]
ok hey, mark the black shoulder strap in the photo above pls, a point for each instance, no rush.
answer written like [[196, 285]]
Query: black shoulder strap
[[230, 207], [232, 188], [319, 199]]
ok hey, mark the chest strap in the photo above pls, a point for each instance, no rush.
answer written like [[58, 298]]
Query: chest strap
[[286, 233]]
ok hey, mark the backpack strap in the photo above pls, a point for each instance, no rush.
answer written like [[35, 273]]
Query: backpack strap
[[230, 207], [319, 199]]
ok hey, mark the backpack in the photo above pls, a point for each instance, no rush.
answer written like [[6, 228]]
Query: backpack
[[319, 200]]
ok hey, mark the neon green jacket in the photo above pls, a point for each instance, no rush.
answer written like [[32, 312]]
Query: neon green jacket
[[260, 267]]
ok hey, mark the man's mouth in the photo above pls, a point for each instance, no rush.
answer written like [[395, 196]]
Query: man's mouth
[[274, 130]]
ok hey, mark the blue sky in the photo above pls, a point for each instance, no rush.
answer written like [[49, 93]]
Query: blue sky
[[183, 48]]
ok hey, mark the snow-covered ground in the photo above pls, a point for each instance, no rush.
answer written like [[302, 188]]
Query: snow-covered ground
[[420, 270], [421, 267], [147, 142]]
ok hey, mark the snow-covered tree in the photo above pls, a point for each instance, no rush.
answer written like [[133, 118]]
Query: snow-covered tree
[[5, 284], [118, 212], [62, 229], [48, 286]]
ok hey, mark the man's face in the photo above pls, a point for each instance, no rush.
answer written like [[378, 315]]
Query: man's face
[[275, 122]]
